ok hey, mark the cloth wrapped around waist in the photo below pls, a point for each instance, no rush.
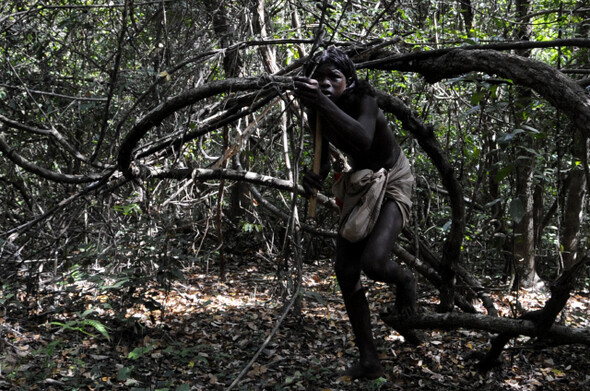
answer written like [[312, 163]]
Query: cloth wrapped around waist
[[362, 193]]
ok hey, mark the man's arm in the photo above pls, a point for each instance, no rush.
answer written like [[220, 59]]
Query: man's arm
[[352, 136]]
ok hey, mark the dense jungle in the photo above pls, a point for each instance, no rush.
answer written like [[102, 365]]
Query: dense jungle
[[155, 235]]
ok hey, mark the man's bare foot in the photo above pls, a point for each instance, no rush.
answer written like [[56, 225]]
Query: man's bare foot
[[359, 371], [405, 299]]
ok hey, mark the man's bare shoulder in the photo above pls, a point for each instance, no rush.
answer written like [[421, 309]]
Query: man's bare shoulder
[[368, 103]]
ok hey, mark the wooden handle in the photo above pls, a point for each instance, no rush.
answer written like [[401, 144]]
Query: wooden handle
[[317, 161]]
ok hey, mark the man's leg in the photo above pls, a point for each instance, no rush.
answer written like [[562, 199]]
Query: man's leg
[[348, 272], [376, 259]]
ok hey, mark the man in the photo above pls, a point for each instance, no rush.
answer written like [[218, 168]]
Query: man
[[375, 194]]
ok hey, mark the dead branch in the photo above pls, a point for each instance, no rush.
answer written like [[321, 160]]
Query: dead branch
[[543, 319], [537, 324], [202, 174], [283, 215], [457, 320], [433, 276], [59, 207], [388, 58]]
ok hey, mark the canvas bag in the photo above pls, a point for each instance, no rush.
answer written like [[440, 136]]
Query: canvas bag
[[362, 193]]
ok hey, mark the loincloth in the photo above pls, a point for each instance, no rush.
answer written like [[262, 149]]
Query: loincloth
[[362, 193]]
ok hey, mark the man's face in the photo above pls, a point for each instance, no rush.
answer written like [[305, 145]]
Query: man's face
[[332, 82]]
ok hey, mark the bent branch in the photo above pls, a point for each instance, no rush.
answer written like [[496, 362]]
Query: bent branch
[[175, 103], [561, 91], [424, 134], [10, 123]]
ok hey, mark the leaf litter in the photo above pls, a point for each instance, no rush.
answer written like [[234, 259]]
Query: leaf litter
[[204, 331]]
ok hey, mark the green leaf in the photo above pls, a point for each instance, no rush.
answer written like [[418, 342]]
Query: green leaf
[[477, 97], [503, 173], [101, 328], [530, 129], [517, 210], [492, 203], [509, 136], [140, 351], [473, 110], [447, 226], [531, 151], [128, 209], [471, 41], [124, 373]]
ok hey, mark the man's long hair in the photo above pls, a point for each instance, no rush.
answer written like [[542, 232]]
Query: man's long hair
[[338, 59]]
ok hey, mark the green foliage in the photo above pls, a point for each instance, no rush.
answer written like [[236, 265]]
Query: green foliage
[[378, 383], [82, 324], [128, 209], [140, 351], [248, 227]]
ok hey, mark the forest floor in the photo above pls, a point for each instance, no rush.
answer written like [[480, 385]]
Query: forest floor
[[205, 331]]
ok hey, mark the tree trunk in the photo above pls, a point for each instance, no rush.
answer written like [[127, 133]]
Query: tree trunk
[[574, 202], [232, 66], [225, 32], [467, 12], [524, 233], [538, 212]]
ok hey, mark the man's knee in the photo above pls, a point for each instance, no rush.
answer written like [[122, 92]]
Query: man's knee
[[344, 272], [375, 258], [374, 268], [348, 277]]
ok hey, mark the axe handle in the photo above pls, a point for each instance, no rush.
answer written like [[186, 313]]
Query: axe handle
[[317, 160]]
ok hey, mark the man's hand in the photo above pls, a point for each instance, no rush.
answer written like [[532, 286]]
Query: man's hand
[[308, 91], [312, 182]]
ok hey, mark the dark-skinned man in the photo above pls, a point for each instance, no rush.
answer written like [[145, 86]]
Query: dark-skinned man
[[375, 194]]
